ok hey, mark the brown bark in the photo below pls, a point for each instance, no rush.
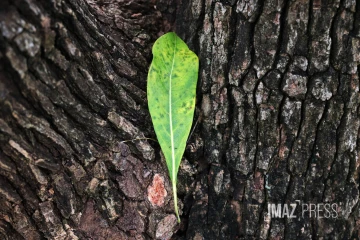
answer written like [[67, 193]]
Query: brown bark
[[277, 108]]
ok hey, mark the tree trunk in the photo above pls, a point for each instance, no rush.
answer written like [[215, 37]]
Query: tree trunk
[[277, 120]]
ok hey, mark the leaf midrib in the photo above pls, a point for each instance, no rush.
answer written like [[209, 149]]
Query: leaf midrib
[[170, 117]]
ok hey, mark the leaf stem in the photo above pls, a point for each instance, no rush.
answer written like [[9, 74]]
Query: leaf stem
[[175, 200]]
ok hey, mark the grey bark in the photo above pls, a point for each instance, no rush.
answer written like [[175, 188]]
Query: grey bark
[[277, 112]]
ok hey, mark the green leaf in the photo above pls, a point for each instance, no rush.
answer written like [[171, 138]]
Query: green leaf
[[171, 92]]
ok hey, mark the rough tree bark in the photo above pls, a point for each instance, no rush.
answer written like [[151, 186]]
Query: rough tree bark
[[277, 109]]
